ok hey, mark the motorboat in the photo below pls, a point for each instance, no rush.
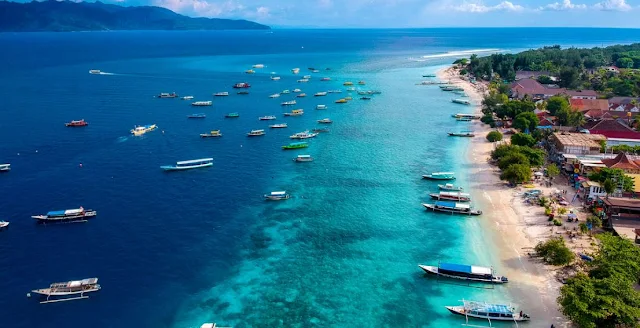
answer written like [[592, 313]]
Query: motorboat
[[68, 291], [325, 79], [303, 135], [221, 94], [451, 195], [284, 92], [321, 106], [258, 66], [277, 195], [241, 85], [303, 158], [315, 71], [449, 187], [466, 116], [275, 78], [295, 70], [197, 115], [275, 95], [295, 145], [301, 95], [347, 83], [289, 103], [187, 98], [5, 167], [76, 214], [488, 311], [452, 207], [297, 90], [341, 101], [361, 83], [4, 224], [212, 134], [440, 176], [334, 91], [250, 71], [320, 94], [167, 95], [202, 103], [303, 80], [266, 118], [325, 121], [75, 124], [429, 75], [295, 112], [255, 133], [351, 89], [188, 165], [306, 77], [467, 134], [142, 129], [94, 71], [348, 98], [232, 115], [464, 272], [461, 101], [278, 126]]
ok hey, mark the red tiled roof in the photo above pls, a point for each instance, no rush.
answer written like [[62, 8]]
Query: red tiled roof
[[612, 129], [621, 162], [588, 104], [583, 93]]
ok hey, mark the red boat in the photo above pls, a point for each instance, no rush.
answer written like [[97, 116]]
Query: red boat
[[76, 123], [241, 85]]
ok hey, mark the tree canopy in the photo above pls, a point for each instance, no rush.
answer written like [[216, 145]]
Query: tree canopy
[[516, 173], [614, 175], [554, 251], [526, 121], [494, 136], [522, 139]]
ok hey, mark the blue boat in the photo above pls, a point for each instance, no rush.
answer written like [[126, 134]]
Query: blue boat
[[464, 272], [452, 207], [77, 214], [187, 165]]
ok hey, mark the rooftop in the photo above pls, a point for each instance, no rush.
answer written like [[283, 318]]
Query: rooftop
[[630, 203], [612, 129], [589, 104], [581, 93], [579, 139], [622, 161]]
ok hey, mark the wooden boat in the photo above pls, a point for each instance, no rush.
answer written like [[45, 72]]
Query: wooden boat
[[67, 291], [241, 85], [440, 176], [278, 126], [488, 311], [277, 195], [449, 187], [198, 115], [341, 101], [467, 134], [452, 207], [464, 272], [461, 101], [202, 103], [347, 83], [295, 145], [303, 158], [212, 134], [325, 121], [451, 195], [255, 133], [295, 112], [74, 124], [4, 224], [76, 214], [232, 115], [5, 167], [267, 118], [365, 98], [188, 165]]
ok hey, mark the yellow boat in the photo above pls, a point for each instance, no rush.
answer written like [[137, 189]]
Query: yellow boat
[[140, 130], [295, 112], [528, 186], [213, 133], [341, 101], [250, 71], [347, 83]]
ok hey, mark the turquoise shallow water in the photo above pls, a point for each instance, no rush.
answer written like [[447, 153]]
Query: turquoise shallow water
[[177, 250]]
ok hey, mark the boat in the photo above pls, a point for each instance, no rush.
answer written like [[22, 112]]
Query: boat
[[320, 94], [348, 98], [140, 130], [67, 291], [341, 101], [284, 92], [320, 130], [202, 103], [325, 121], [250, 71], [258, 66], [232, 115], [464, 272], [361, 83], [303, 80], [295, 145], [375, 92], [242, 92], [303, 135], [167, 95], [76, 214], [347, 83], [451, 195], [365, 98], [275, 78], [364, 92], [188, 165], [295, 112], [467, 134], [449, 186], [4, 224], [94, 71], [325, 79], [303, 158], [464, 119], [197, 115], [315, 71], [302, 95], [212, 134], [278, 126], [79, 123], [306, 77], [440, 176], [211, 325], [429, 75], [321, 107], [334, 91], [5, 167], [275, 95], [295, 70], [461, 101], [297, 90], [277, 195], [255, 133], [241, 85], [488, 311], [351, 89], [221, 94], [452, 207], [266, 118], [470, 116], [187, 97]]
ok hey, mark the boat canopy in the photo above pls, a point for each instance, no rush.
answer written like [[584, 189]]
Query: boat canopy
[[65, 212], [278, 193], [304, 156], [454, 194], [256, 131], [487, 307], [443, 173], [297, 143], [455, 205], [465, 268], [195, 161]]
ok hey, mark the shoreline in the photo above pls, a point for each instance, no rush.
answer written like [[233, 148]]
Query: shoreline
[[513, 227]]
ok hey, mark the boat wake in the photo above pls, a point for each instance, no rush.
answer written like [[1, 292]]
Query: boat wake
[[460, 53], [122, 139], [107, 73]]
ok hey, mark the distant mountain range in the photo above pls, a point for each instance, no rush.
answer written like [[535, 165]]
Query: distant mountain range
[[61, 16]]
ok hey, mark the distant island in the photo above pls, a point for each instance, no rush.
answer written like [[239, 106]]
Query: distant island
[[66, 16]]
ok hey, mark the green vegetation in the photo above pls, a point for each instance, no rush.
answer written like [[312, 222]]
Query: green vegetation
[[526, 121], [494, 136], [516, 161], [613, 175], [553, 171], [604, 296], [554, 251], [521, 139], [516, 173], [512, 158]]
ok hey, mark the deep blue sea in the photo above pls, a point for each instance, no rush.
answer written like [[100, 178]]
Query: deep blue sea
[[175, 250]]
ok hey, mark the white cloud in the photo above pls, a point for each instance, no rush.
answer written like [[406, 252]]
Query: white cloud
[[201, 7], [565, 5], [263, 12], [613, 5], [479, 7]]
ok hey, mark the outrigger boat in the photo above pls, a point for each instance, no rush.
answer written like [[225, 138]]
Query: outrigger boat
[[488, 311], [255, 133], [303, 135], [303, 158], [295, 145], [278, 126], [212, 134], [467, 134], [202, 103], [295, 112], [277, 195], [187, 165], [78, 214], [449, 187], [451, 195], [440, 176], [452, 207], [464, 272], [79, 123], [66, 291], [461, 101], [5, 167]]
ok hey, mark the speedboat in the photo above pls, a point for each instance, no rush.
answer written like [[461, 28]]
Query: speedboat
[[4, 224], [78, 123], [325, 121], [5, 167], [320, 94], [278, 126], [275, 95], [202, 103], [255, 133], [365, 98], [258, 66], [188, 165], [488, 311], [351, 89], [187, 97], [167, 95], [212, 134], [302, 95], [94, 71], [295, 112], [221, 94], [289, 103], [267, 118], [140, 130], [321, 107], [277, 195], [241, 85], [464, 272], [76, 214], [295, 70], [315, 71], [297, 90], [303, 158]]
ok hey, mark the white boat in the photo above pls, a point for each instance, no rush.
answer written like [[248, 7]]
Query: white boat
[[303, 135], [315, 71], [275, 78], [4, 224], [76, 214], [65, 291], [334, 91], [320, 94], [221, 94], [267, 118], [140, 130], [295, 112], [255, 133], [303, 158], [301, 95], [284, 92], [275, 95], [488, 311], [306, 77], [464, 272], [94, 71], [452, 207], [289, 103], [451, 195], [295, 70], [325, 121], [187, 97], [303, 80], [466, 116], [450, 187], [5, 167], [202, 103], [325, 79], [297, 90], [321, 107], [258, 66], [187, 165], [440, 176], [351, 89], [278, 126], [277, 195], [168, 95], [211, 325], [461, 101]]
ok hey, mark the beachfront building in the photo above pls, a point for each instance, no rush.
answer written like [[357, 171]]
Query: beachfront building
[[536, 90], [624, 162], [575, 143], [623, 216], [592, 189], [612, 128]]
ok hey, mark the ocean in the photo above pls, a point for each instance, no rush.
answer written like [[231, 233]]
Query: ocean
[[175, 250]]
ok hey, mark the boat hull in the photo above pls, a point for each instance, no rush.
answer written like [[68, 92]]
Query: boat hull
[[430, 177], [432, 270], [183, 168], [459, 310], [80, 217], [456, 199], [452, 211]]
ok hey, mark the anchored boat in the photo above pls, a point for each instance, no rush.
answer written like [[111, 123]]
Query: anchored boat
[[4, 224], [303, 158], [232, 115], [289, 103], [277, 195], [278, 126], [241, 85], [212, 134], [461, 101], [167, 95], [255, 133], [464, 272], [295, 145], [488, 311], [295, 112], [467, 134], [140, 130], [221, 94], [78, 214], [440, 176], [198, 115], [321, 107], [452, 207], [67, 291], [451, 195], [78, 123], [5, 167], [449, 187], [187, 165], [320, 94], [202, 103], [303, 135], [267, 118], [325, 121]]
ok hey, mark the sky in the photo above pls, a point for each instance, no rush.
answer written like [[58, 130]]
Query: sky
[[412, 13]]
